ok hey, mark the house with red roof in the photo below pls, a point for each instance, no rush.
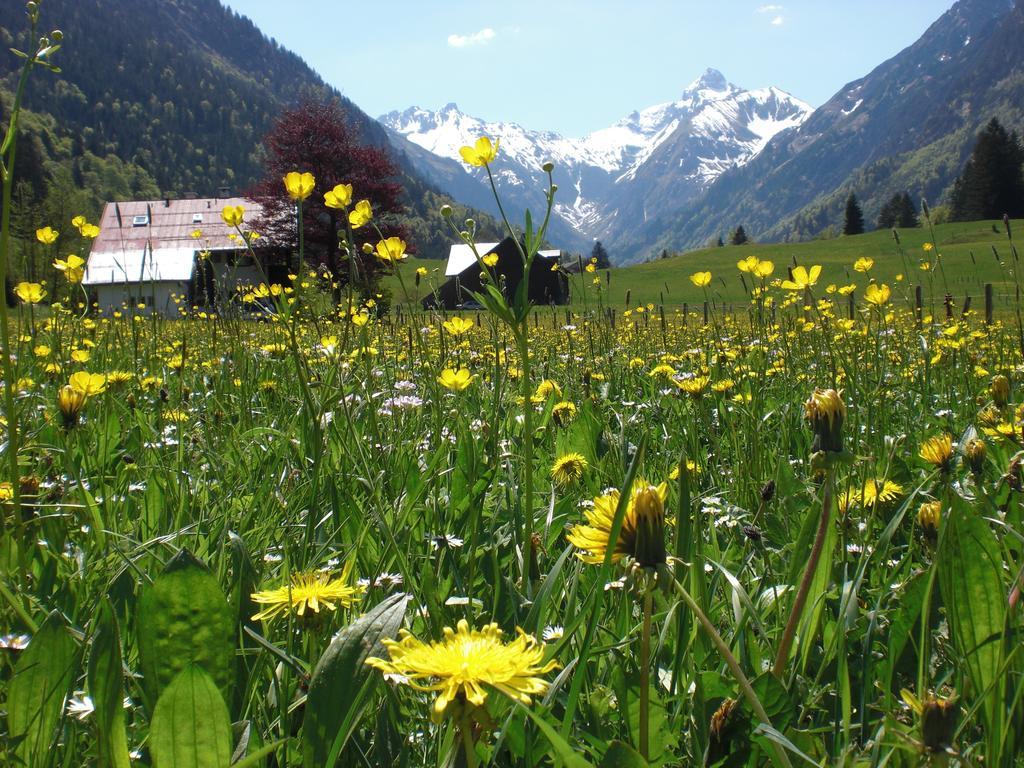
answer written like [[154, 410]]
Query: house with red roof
[[171, 255]]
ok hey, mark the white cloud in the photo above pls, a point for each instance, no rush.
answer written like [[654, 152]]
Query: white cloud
[[777, 21], [769, 9], [482, 37]]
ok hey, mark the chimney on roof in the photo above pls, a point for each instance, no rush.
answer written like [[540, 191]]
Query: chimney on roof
[[224, 191], [168, 196]]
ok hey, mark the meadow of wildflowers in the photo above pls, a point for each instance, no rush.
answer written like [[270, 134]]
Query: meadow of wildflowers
[[519, 536]]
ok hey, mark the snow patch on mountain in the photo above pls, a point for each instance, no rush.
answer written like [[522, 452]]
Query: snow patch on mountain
[[712, 127]]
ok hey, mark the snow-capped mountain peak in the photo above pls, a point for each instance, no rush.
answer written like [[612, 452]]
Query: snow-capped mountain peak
[[713, 126]]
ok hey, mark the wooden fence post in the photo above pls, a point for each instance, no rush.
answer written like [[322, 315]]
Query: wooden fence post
[[988, 303]]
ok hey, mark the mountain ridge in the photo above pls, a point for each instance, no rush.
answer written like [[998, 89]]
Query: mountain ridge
[[907, 124], [729, 125]]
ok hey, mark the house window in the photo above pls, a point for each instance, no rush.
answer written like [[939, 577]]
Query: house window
[[141, 220], [197, 218]]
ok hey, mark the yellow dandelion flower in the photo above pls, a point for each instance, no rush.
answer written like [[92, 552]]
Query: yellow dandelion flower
[[308, 591], [691, 468], [938, 450], [466, 663], [563, 412], [929, 517], [664, 370], [70, 401], [545, 389], [593, 538], [568, 469], [883, 491], [694, 386]]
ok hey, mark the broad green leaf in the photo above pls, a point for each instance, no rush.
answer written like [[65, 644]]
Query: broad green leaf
[[106, 688], [621, 755], [183, 618], [334, 690], [35, 696], [191, 726], [970, 576], [775, 699]]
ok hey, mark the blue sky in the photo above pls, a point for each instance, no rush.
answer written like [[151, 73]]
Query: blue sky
[[573, 66]]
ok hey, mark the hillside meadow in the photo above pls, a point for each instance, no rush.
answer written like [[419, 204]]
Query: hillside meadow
[[973, 254]]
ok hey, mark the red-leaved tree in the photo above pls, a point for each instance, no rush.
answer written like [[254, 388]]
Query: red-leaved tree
[[318, 137]]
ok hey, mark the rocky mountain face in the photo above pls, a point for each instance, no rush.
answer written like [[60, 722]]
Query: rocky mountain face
[[906, 126], [664, 155]]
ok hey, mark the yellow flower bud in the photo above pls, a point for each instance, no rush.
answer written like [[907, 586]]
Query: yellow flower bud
[[650, 527], [826, 411], [1000, 390]]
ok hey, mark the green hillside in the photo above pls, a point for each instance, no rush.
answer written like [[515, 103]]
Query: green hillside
[[174, 99], [966, 250]]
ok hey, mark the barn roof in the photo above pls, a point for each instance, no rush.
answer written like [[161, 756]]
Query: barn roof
[[151, 240], [460, 257]]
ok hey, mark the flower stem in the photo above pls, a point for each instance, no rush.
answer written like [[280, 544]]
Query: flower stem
[[645, 673], [749, 694], [782, 655], [523, 343], [468, 745]]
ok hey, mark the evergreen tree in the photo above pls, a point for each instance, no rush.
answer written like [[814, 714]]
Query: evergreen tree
[[853, 220], [599, 253], [721, 244], [888, 216], [898, 211], [992, 182], [739, 237], [906, 212]]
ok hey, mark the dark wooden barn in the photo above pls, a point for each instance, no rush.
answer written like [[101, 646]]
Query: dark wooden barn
[[463, 272]]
